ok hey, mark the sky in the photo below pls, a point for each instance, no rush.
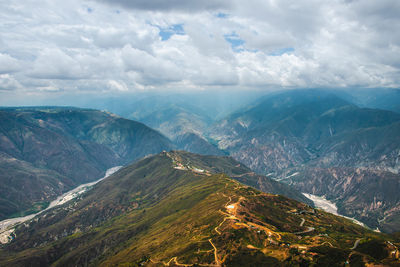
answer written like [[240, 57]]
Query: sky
[[50, 47]]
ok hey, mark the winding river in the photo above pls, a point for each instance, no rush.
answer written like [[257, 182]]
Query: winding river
[[7, 226], [328, 206]]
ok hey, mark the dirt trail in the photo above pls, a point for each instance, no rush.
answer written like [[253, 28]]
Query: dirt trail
[[356, 243], [232, 210], [216, 228], [309, 229], [217, 261], [329, 243]]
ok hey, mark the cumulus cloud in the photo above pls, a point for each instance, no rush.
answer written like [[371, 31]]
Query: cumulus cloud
[[184, 44], [8, 64], [55, 64], [151, 69], [8, 83]]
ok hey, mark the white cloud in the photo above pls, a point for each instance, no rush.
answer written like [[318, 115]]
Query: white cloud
[[8, 83], [116, 45], [150, 69], [53, 63], [8, 64], [118, 86], [49, 88]]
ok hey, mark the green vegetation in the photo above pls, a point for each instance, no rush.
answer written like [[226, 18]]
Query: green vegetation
[[38, 206], [374, 248], [152, 214]]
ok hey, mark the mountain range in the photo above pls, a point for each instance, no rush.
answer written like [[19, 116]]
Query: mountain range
[[177, 208], [181, 209], [324, 145], [46, 151]]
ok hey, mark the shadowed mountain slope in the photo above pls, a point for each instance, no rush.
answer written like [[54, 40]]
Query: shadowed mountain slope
[[50, 150]]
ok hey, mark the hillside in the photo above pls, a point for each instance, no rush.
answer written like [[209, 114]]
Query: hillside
[[305, 132], [238, 172], [155, 212], [195, 143], [369, 195], [291, 128], [184, 125], [182, 117], [382, 98], [49, 150], [174, 121]]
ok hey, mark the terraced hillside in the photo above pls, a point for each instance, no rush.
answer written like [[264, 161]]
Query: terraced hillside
[[163, 211]]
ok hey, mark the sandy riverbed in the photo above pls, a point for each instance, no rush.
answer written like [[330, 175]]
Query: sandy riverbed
[[7, 226], [328, 206]]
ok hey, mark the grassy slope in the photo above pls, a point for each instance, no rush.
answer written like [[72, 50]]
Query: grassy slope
[[241, 173], [151, 213]]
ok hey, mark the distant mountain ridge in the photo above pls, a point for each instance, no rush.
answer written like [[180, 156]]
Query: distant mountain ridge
[[195, 143], [182, 117], [48, 150]]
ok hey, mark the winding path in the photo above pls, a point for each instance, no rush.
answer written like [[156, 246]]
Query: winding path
[[309, 229], [329, 243], [356, 243], [217, 261]]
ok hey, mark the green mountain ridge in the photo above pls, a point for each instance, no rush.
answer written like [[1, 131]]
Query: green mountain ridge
[[239, 172], [166, 210]]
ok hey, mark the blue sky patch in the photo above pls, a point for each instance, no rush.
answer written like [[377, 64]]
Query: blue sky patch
[[280, 52], [166, 33], [235, 42], [221, 15]]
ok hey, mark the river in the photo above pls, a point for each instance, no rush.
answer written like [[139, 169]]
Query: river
[[7, 226], [328, 206]]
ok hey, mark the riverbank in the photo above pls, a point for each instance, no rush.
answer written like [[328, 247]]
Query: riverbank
[[328, 206], [7, 226]]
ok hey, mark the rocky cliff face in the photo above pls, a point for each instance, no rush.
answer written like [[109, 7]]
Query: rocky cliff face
[[49, 150], [369, 195], [313, 133]]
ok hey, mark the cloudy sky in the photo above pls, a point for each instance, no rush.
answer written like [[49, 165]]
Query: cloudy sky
[[53, 46]]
